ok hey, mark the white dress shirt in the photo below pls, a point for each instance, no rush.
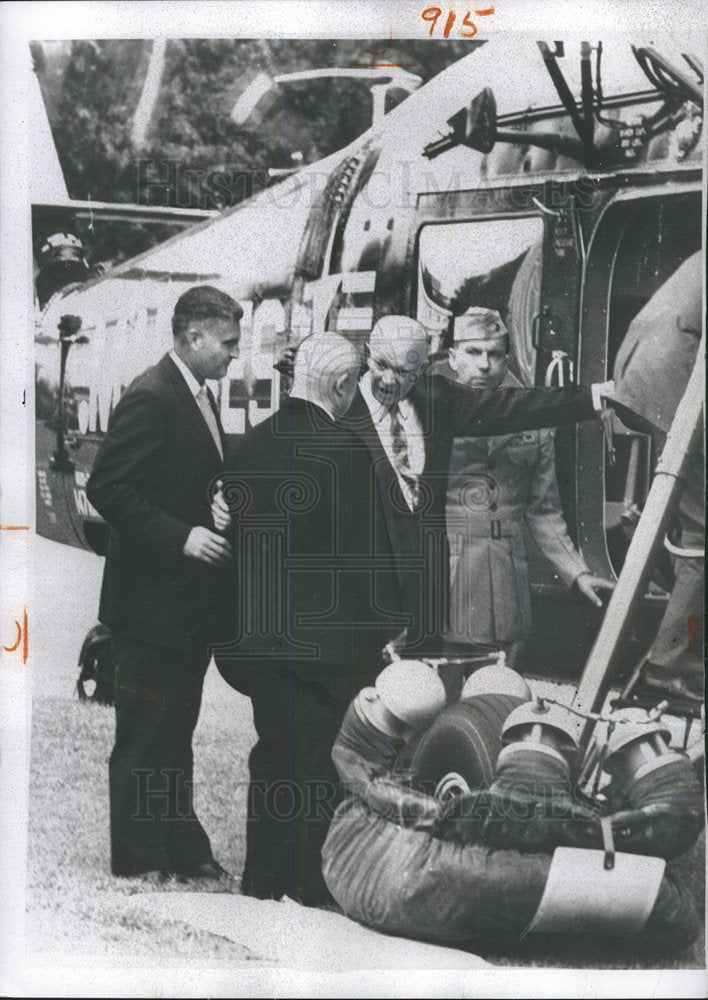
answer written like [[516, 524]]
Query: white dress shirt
[[381, 417], [192, 382], [201, 398]]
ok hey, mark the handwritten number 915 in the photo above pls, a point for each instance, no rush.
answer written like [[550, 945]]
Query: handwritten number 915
[[433, 13]]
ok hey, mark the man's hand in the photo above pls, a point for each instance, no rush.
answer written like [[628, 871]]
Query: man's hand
[[588, 584], [206, 546], [220, 514]]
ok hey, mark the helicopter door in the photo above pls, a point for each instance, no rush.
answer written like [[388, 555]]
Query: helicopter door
[[640, 240], [554, 335]]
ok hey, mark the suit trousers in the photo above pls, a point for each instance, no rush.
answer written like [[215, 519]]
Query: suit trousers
[[158, 694], [294, 787]]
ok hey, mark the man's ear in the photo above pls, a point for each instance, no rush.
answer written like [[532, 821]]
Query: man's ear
[[194, 336], [452, 358], [340, 385]]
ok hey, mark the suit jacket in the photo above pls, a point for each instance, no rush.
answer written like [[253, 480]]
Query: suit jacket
[[151, 483], [447, 410], [316, 570]]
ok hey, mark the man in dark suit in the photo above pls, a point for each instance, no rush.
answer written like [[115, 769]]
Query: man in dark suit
[[319, 602], [408, 420], [165, 585]]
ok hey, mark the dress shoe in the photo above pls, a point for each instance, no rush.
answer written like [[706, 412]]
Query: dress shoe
[[175, 877], [204, 869], [676, 686], [258, 891], [153, 875]]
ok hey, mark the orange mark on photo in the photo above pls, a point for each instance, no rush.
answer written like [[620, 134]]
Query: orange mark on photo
[[431, 14], [380, 52], [21, 638], [381, 65]]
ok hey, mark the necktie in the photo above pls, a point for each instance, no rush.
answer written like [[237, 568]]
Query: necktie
[[401, 459], [208, 414]]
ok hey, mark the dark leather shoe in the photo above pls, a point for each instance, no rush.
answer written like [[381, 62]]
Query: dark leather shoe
[[262, 888], [167, 876], [677, 686], [155, 876], [205, 869]]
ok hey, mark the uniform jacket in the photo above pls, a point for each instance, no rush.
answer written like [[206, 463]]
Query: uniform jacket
[[151, 483], [315, 564], [496, 484], [447, 410]]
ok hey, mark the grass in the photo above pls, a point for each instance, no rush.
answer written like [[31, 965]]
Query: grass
[[74, 904], [76, 907]]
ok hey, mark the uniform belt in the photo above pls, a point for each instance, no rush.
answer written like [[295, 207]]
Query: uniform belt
[[494, 529]]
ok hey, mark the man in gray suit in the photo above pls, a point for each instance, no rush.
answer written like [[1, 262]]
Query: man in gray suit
[[496, 484]]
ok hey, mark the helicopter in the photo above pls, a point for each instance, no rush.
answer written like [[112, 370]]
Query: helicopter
[[559, 183]]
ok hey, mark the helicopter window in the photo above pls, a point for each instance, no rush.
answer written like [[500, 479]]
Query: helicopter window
[[658, 235], [490, 263]]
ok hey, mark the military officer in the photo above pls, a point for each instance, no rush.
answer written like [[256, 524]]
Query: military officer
[[495, 485]]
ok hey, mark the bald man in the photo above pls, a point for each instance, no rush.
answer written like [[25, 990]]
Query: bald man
[[320, 600], [408, 420]]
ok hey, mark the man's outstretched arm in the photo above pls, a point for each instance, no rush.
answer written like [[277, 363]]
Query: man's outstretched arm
[[486, 412]]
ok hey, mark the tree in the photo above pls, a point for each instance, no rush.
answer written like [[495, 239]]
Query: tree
[[92, 89]]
